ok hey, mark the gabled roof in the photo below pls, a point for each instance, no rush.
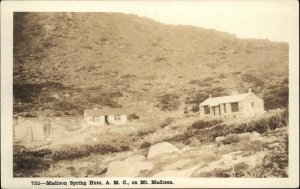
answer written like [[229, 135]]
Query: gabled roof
[[30, 123], [106, 111], [224, 99]]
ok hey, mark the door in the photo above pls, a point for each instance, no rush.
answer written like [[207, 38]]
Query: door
[[106, 120]]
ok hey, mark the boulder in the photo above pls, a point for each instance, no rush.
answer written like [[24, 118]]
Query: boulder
[[254, 136], [244, 136], [180, 164], [127, 168], [161, 148], [271, 139], [274, 145], [135, 158]]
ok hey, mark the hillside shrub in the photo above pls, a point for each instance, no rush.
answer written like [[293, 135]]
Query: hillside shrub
[[250, 78], [240, 168], [229, 139], [263, 124], [202, 124], [169, 102], [145, 145], [218, 89], [146, 131], [197, 98], [277, 96], [182, 137], [133, 116], [195, 108], [74, 152], [123, 148]]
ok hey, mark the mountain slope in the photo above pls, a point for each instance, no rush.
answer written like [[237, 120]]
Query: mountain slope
[[65, 62]]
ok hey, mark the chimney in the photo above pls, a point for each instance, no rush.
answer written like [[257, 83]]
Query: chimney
[[209, 95], [249, 90]]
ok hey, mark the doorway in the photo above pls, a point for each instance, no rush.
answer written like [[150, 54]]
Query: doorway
[[106, 120]]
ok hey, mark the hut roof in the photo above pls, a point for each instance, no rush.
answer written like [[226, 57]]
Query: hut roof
[[30, 123], [106, 111], [224, 99]]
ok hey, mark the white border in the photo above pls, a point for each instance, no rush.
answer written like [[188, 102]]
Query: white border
[[7, 180]]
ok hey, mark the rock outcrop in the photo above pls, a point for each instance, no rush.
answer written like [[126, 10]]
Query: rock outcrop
[[161, 148], [131, 167]]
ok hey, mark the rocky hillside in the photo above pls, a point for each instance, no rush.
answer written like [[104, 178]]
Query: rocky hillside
[[184, 147], [65, 62]]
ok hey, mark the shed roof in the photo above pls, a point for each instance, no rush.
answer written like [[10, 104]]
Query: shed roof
[[224, 99], [106, 111], [30, 123]]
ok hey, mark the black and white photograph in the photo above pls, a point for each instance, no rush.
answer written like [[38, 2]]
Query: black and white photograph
[[161, 90]]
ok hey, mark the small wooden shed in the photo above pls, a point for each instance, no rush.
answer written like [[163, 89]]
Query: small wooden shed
[[106, 116], [27, 131]]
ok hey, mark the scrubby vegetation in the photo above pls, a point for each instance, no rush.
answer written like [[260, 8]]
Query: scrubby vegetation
[[207, 131], [231, 138], [73, 152], [133, 116], [277, 96], [250, 78], [28, 163], [169, 102], [29, 92], [202, 124], [145, 145]]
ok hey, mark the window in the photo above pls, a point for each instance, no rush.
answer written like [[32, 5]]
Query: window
[[206, 110], [117, 117], [235, 107], [252, 104]]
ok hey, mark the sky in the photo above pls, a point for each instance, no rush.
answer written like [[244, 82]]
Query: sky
[[275, 20], [247, 19]]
